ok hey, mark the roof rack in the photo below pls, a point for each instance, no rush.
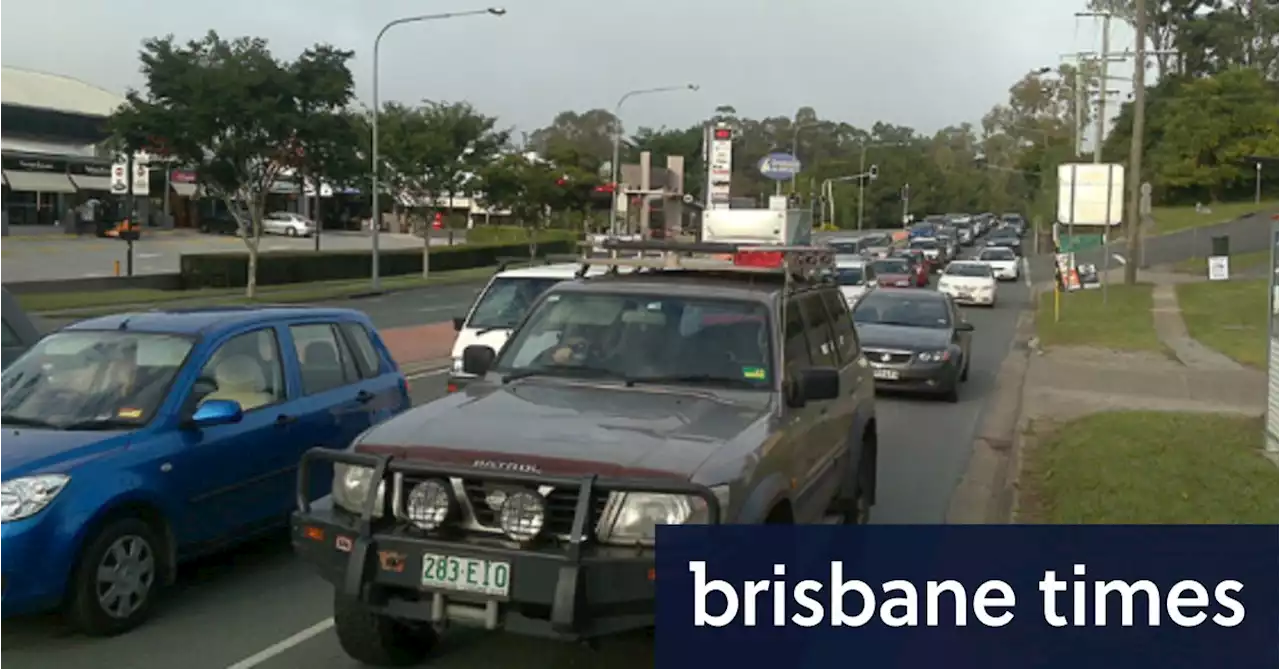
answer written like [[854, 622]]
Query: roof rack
[[796, 263]]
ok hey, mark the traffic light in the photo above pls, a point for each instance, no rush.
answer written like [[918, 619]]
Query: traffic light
[[873, 172]]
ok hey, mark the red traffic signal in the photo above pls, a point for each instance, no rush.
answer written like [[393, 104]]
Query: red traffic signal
[[723, 133]]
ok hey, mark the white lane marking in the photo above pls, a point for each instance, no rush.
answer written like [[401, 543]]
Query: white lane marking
[[145, 256], [279, 648]]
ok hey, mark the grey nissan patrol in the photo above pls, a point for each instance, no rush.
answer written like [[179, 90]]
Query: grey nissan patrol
[[712, 384]]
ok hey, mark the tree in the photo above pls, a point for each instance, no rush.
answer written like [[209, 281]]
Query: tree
[[327, 136], [529, 187], [435, 151], [232, 111]]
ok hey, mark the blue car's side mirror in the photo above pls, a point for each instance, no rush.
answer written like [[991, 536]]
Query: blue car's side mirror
[[217, 412]]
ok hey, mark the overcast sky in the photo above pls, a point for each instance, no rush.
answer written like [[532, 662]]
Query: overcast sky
[[921, 63]]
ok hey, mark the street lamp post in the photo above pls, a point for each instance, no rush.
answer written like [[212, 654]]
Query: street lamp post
[[795, 148], [377, 109], [617, 143]]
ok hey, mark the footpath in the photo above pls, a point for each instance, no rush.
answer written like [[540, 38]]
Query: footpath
[[420, 348], [1068, 382]]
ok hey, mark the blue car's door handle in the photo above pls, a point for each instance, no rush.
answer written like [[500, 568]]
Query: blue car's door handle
[[364, 397], [285, 419]]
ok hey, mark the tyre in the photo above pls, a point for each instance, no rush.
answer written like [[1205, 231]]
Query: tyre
[[378, 640], [964, 373], [116, 579], [291, 231], [854, 508], [952, 394]]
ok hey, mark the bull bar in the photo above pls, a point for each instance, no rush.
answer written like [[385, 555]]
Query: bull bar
[[568, 599]]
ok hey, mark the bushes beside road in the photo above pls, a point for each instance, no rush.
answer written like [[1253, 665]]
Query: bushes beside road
[[230, 270]]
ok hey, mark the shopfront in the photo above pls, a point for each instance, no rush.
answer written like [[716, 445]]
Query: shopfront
[[37, 191]]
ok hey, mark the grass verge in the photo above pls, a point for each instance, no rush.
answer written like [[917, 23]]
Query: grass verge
[[1229, 317], [1149, 467], [1123, 323], [1239, 263], [103, 302], [1173, 219]]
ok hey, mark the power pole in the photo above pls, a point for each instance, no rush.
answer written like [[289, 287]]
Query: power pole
[[1100, 125], [1136, 140]]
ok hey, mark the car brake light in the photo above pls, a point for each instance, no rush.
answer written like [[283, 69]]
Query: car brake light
[[452, 387], [758, 259]]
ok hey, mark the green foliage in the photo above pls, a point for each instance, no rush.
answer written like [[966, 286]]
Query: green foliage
[[238, 116], [512, 234], [228, 270]]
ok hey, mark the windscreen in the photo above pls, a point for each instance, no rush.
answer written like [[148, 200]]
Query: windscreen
[[644, 338], [849, 276], [968, 269], [507, 300], [924, 244], [997, 254], [892, 266], [922, 310]]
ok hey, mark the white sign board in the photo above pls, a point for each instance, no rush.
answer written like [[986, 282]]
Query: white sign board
[[1090, 194], [119, 178], [1219, 268], [719, 167], [141, 178]]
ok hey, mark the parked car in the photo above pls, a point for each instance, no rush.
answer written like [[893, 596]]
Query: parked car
[[221, 223], [288, 223], [136, 441], [20, 331]]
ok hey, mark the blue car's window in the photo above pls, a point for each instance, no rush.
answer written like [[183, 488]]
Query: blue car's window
[[325, 362], [87, 380], [245, 369], [366, 356]]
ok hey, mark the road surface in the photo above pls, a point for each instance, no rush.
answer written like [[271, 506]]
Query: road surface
[[257, 608], [50, 257]]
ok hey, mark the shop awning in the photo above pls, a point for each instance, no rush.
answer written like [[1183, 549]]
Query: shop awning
[[39, 182], [185, 189], [86, 182]]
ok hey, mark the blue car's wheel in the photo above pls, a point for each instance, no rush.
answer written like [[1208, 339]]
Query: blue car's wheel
[[116, 578]]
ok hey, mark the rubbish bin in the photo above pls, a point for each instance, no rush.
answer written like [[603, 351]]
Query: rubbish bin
[[1221, 246]]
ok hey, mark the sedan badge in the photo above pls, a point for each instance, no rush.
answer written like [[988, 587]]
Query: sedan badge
[[507, 466], [885, 357]]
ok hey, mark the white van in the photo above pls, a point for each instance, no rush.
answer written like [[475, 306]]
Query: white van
[[501, 306]]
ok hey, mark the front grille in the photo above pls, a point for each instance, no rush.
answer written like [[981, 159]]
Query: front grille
[[883, 357]]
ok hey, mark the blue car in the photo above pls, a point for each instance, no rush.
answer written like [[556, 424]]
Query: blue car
[[136, 441]]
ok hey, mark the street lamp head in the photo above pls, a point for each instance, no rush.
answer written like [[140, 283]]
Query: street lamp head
[[1042, 70], [498, 11], [693, 87]]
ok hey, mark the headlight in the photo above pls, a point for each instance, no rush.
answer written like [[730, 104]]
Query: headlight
[[639, 514], [352, 486], [934, 356], [457, 365], [26, 496], [429, 503]]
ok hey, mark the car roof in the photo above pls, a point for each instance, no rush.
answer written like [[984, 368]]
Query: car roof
[[850, 261], [556, 271], [211, 320]]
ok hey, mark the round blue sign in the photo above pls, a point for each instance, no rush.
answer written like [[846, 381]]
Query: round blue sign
[[779, 166]]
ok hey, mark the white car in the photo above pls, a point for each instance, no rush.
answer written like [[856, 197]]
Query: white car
[[969, 282], [288, 223], [856, 278], [1003, 262], [501, 306]]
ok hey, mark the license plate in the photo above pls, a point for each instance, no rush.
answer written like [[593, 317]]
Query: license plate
[[886, 374], [464, 574]]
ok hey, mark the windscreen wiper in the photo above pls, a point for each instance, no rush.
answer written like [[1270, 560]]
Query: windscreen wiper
[[494, 328], [21, 421], [94, 424], [565, 371], [699, 379]]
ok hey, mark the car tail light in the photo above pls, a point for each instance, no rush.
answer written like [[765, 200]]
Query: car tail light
[[452, 387], [773, 259]]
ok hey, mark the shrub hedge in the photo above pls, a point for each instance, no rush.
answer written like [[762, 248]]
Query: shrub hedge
[[231, 270], [512, 234]]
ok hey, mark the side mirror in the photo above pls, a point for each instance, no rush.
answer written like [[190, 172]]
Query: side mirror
[[819, 383], [477, 359], [964, 326], [217, 412], [458, 322]]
